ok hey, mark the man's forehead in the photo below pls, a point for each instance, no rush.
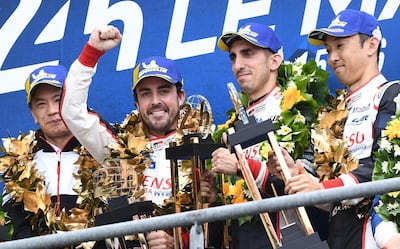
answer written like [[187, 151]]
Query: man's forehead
[[43, 88], [153, 82]]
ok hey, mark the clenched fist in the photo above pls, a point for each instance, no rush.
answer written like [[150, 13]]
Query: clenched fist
[[105, 38]]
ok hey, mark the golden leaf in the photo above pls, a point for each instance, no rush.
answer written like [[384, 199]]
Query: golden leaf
[[19, 146], [137, 144], [319, 141], [331, 155], [38, 200], [6, 162], [185, 199], [329, 118]]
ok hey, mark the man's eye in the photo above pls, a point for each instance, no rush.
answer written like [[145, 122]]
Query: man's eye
[[164, 91]]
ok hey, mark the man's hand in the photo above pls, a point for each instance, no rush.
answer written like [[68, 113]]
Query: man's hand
[[223, 161], [104, 38], [274, 167], [303, 182], [207, 187], [159, 240]]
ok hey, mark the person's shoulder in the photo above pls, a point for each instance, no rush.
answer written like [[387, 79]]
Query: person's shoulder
[[388, 89], [392, 88]]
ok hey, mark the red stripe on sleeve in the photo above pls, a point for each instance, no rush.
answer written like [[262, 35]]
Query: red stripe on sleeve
[[90, 55]]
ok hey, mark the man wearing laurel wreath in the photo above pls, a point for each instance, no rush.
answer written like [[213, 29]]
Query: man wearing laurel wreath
[[158, 92], [353, 41], [54, 155]]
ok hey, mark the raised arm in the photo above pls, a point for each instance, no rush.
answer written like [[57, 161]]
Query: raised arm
[[87, 127]]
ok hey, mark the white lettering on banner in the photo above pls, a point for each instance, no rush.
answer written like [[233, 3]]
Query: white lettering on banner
[[312, 9], [389, 10], [176, 49], [338, 6], [311, 13], [310, 17], [9, 34], [54, 30], [382, 54], [368, 6], [131, 15], [322, 63], [237, 10]]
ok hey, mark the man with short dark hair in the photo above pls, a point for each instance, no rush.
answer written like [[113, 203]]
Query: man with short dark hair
[[54, 154], [255, 54], [158, 91]]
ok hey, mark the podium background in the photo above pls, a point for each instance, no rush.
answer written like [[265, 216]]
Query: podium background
[[39, 32]]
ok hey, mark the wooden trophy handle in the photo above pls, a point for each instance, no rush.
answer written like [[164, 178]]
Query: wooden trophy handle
[[301, 212], [255, 193]]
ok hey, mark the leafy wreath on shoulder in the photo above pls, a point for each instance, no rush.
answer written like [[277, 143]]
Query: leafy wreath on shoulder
[[305, 93], [311, 117], [95, 183], [27, 188]]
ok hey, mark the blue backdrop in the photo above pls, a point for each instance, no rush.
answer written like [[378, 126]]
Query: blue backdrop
[[35, 32]]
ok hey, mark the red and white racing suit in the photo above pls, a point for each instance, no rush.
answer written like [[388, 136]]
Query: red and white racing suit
[[57, 166], [267, 107], [368, 115], [95, 134]]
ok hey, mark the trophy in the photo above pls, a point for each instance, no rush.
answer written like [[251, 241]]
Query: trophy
[[122, 205], [248, 133], [193, 148], [118, 180]]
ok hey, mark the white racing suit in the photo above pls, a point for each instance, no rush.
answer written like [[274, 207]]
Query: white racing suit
[[95, 134]]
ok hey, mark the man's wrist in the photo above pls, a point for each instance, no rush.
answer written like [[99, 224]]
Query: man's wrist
[[90, 55]]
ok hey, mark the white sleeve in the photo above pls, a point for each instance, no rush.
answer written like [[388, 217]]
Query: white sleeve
[[384, 231], [86, 127]]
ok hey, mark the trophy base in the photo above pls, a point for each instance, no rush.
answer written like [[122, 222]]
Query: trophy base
[[293, 237], [121, 210]]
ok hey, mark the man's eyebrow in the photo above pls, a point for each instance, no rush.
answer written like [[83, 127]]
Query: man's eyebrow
[[166, 85]]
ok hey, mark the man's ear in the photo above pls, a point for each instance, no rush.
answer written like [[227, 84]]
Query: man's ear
[[373, 45], [182, 97], [276, 60], [137, 105]]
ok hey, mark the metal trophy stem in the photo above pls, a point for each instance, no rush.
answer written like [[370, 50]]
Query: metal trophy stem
[[195, 149]]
